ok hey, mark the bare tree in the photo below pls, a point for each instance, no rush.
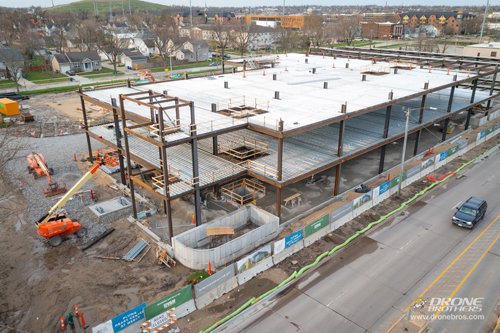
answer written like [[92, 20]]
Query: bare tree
[[111, 46], [11, 25], [347, 28], [167, 39], [14, 63], [243, 36], [314, 30], [471, 26], [222, 37], [9, 150], [86, 35]]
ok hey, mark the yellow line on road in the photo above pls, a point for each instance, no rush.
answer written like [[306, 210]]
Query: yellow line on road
[[454, 261], [473, 268]]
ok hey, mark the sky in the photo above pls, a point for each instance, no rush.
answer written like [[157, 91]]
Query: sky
[[246, 3]]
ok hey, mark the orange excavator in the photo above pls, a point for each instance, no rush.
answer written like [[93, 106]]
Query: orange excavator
[[39, 168], [56, 225]]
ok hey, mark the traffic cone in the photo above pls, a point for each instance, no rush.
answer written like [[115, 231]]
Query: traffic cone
[[62, 324], [74, 156], [209, 268], [82, 320], [193, 220], [77, 313]]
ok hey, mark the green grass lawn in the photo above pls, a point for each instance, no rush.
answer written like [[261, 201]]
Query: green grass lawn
[[102, 73], [70, 88], [183, 66], [45, 77], [7, 84]]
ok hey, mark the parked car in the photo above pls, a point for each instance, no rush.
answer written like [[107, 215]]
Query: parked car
[[470, 212], [70, 73], [214, 64]]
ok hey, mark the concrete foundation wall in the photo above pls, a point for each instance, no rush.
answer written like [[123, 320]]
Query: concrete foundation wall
[[185, 243]]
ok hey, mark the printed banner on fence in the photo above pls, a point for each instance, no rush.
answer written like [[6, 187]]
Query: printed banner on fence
[[413, 171], [211, 282], [128, 318], [361, 200], [384, 187], [293, 238], [427, 163], [171, 301], [443, 155], [394, 181], [316, 226], [253, 259], [452, 150]]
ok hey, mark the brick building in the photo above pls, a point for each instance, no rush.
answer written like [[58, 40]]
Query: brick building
[[381, 30], [447, 22]]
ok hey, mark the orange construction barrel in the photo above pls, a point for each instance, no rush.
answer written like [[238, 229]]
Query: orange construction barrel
[[8, 107]]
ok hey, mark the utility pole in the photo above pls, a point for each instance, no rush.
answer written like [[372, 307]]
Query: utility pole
[[190, 13], [402, 169], [484, 20]]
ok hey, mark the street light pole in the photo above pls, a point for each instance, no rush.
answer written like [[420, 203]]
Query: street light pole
[[484, 20], [402, 168]]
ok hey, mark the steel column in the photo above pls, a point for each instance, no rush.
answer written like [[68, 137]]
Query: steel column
[[278, 202], [493, 82], [420, 120], [129, 161], [163, 152], [448, 110], [340, 149], [385, 135], [86, 125], [118, 136], [196, 171], [472, 97]]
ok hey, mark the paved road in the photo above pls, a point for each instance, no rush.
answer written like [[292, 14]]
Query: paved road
[[368, 288]]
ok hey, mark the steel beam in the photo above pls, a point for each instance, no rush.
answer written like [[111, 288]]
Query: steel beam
[[280, 152]]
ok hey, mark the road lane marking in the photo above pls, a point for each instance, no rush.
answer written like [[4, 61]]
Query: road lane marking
[[454, 261], [473, 268]]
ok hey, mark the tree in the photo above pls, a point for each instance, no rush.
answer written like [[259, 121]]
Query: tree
[[314, 30], [243, 36], [9, 150], [86, 35], [222, 37], [111, 46], [14, 63], [471, 26], [31, 41], [347, 28], [167, 39]]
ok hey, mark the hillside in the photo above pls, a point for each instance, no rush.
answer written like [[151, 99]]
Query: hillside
[[103, 5]]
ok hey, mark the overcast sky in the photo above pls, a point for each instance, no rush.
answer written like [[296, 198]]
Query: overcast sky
[[47, 3]]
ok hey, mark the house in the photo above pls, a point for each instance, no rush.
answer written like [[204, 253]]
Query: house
[[487, 50], [132, 58], [11, 62], [76, 61], [145, 43], [444, 21], [262, 38], [381, 30], [193, 50]]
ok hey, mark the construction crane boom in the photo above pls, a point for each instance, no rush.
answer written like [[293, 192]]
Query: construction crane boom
[[64, 199]]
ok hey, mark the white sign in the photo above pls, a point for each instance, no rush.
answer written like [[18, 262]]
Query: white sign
[[106, 327]]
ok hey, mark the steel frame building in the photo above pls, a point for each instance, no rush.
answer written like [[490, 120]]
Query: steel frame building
[[304, 115]]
